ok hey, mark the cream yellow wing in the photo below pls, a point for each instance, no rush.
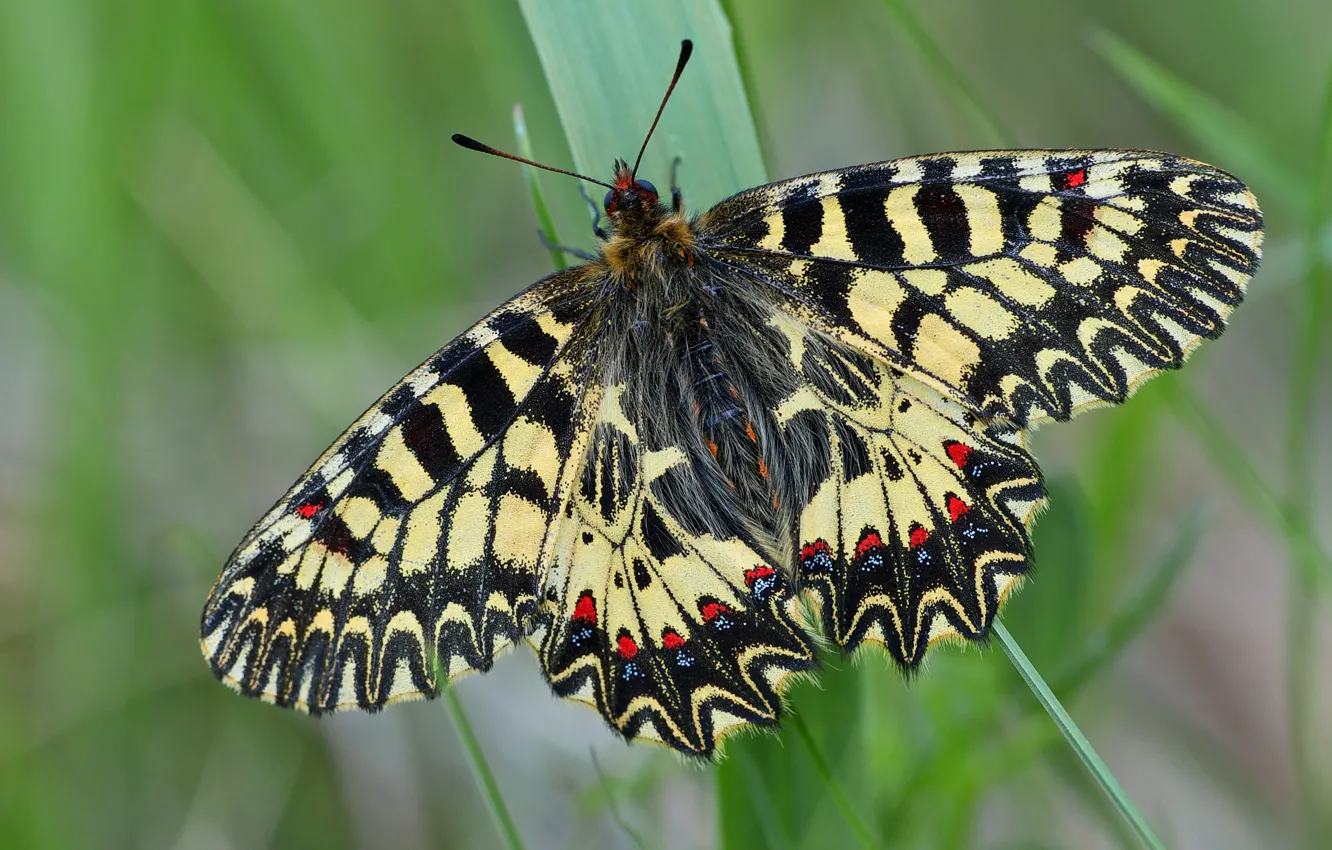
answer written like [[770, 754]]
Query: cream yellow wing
[[660, 611], [415, 540], [1028, 285], [919, 527]]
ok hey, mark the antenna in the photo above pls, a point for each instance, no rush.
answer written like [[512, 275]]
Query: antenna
[[686, 48], [473, 144]]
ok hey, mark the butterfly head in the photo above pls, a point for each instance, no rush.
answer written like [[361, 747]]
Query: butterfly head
[[629, 195]]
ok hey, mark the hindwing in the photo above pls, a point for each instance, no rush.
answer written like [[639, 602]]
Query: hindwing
[[415, 540], [659, 611], [1028, 285], [920, 526]]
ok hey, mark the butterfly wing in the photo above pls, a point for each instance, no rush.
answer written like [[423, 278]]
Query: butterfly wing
[[937, 307], [1028, 285], [919, 527], [660, 611], [415, 539]]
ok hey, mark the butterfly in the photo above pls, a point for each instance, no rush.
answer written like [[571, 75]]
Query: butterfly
[[820, 390]]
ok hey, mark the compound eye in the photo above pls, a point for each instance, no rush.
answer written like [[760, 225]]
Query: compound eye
[[610, 196], [647, 187]]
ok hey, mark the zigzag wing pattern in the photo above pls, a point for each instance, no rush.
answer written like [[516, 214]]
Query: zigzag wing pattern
[[672, 625], [920, 527], [415, 540], [1027, 284]]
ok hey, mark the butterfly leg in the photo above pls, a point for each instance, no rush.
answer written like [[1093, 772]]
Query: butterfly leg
[[596, 213], [677, 197], [551, 246]]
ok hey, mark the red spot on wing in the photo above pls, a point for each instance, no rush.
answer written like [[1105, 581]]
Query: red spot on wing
[[672, 640], [309, 509], [757, 573], [809, 550], [1074, 179], [586, 609], [919, 536], [868, 542], [959, 453], [713, 610], [956, 507], [626, 647]]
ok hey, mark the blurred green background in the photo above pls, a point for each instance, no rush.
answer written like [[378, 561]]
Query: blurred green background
[[226, 227]]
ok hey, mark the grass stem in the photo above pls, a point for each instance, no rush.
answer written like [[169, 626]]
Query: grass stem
[[1302, 582], [835, 790], [504, 823], [1078, 741]]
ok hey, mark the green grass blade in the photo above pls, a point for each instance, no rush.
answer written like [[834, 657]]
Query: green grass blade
[[490, 789], [1245, 479], [1211, 123], [1302, 595], [613, 804], [608, 63], [740, 831], [835, 791], [1313, 318], [544, 220], [983, 118], [1077, 740], [1142, 607], [1053, 616]]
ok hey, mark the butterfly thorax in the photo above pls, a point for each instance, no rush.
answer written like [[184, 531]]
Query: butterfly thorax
[[646, 244], [647, 237]]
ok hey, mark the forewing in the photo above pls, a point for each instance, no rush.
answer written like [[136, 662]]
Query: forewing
[[658, 613], [1026, 284], [416, 538], [920, 526]]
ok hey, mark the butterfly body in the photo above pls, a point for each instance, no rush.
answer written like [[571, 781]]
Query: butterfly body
[[819, 388]]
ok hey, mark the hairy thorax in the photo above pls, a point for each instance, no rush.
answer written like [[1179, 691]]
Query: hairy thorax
[[647, 245], [699, 364]]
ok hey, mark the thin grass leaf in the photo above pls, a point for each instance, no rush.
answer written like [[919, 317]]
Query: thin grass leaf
[[736, 832], [835, 791], [1077, 740], [476, 757], [1019, 747], [1141, 609], [1313, 320], [1302, 596], [1051, 616], [1070, 774], [983, 118], [613, 803], [607, 63], [544, 220], [1201, 116], [1245, 479], [1218, 127]]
